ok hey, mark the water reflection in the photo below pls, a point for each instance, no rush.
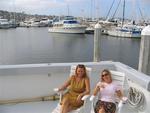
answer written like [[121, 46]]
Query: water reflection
[[64, 35], [37, 45]]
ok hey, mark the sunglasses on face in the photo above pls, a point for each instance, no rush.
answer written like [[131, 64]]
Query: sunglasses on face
[[105, 74]]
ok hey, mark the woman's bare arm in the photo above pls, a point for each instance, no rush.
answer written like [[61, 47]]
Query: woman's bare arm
[[65, 85], [96, 90], [87, 90], [87, 87]]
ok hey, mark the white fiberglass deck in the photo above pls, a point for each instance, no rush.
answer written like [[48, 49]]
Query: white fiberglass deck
[[21, 82], [45, 107], [29, 107]]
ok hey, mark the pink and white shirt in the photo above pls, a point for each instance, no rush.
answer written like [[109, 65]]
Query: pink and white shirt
[[108, 91]]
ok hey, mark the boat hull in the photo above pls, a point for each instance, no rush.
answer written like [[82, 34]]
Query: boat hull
[[76, 30], [119, 33], [4, 26]]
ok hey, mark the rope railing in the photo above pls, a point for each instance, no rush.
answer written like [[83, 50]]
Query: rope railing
[[136, 98]]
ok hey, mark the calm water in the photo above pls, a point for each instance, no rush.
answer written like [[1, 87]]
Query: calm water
[[36, 45]]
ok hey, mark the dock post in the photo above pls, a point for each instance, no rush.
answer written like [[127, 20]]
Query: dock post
[[97, 35], [144, 57]]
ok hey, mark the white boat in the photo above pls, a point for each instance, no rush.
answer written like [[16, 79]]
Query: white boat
[[25, 24], [89, 30], [29, 88], [68, 25], [45, 22], [35, 23], [13, 23], [128, 30], [4, 24], [125, 31], [90, 26]]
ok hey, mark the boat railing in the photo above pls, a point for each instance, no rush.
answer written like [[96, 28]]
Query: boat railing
[[135, 76]]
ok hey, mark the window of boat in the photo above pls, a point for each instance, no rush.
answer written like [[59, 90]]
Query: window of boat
[[70, 22]]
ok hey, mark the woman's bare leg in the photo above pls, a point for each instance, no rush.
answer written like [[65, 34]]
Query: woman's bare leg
[[65, 106], [70, 108]]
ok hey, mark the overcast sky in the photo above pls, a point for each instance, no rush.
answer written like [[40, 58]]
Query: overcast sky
[[86, 8]]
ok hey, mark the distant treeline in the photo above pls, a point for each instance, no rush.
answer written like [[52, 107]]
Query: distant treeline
[[21, 16]]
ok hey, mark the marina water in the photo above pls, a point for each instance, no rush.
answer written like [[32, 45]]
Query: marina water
[[37, 45]]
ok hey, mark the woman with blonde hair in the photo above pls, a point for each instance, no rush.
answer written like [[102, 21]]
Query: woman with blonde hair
[[79, 86], [107, 89]]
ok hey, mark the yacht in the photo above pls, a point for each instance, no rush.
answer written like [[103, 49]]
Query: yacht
[[67, 25], [29, 88], [13, 23], [90, 26], [45, 22], [4, 24]]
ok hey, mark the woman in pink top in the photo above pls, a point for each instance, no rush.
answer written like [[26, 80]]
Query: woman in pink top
[[107, 90]]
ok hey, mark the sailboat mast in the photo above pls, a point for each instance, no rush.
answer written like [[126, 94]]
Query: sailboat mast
[[123, 12], [68, 10], [116, 9], [91, 9], [110, 9]]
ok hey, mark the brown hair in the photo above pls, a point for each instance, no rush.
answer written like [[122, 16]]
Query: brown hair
[[83, 67], [108, 72]]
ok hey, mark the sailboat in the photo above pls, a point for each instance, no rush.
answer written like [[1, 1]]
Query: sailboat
[[130, 31], [125, 30]]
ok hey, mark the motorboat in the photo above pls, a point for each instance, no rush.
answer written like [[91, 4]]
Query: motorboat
[[67, 25], [4, 24], [45, 22]]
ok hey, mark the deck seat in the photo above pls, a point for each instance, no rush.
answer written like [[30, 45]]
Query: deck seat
[[84, 98]]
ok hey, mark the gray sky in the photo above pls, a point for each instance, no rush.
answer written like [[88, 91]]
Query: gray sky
[[76, 7]]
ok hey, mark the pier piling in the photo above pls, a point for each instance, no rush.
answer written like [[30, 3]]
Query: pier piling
[[144, 57], [97, 35]]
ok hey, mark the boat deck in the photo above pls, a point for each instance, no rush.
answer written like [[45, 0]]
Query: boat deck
[[45, 107], [29, 107], [34, 81]]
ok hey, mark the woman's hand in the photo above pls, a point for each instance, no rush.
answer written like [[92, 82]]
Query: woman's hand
[[79, 98], [102, 86], [56, 89]]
